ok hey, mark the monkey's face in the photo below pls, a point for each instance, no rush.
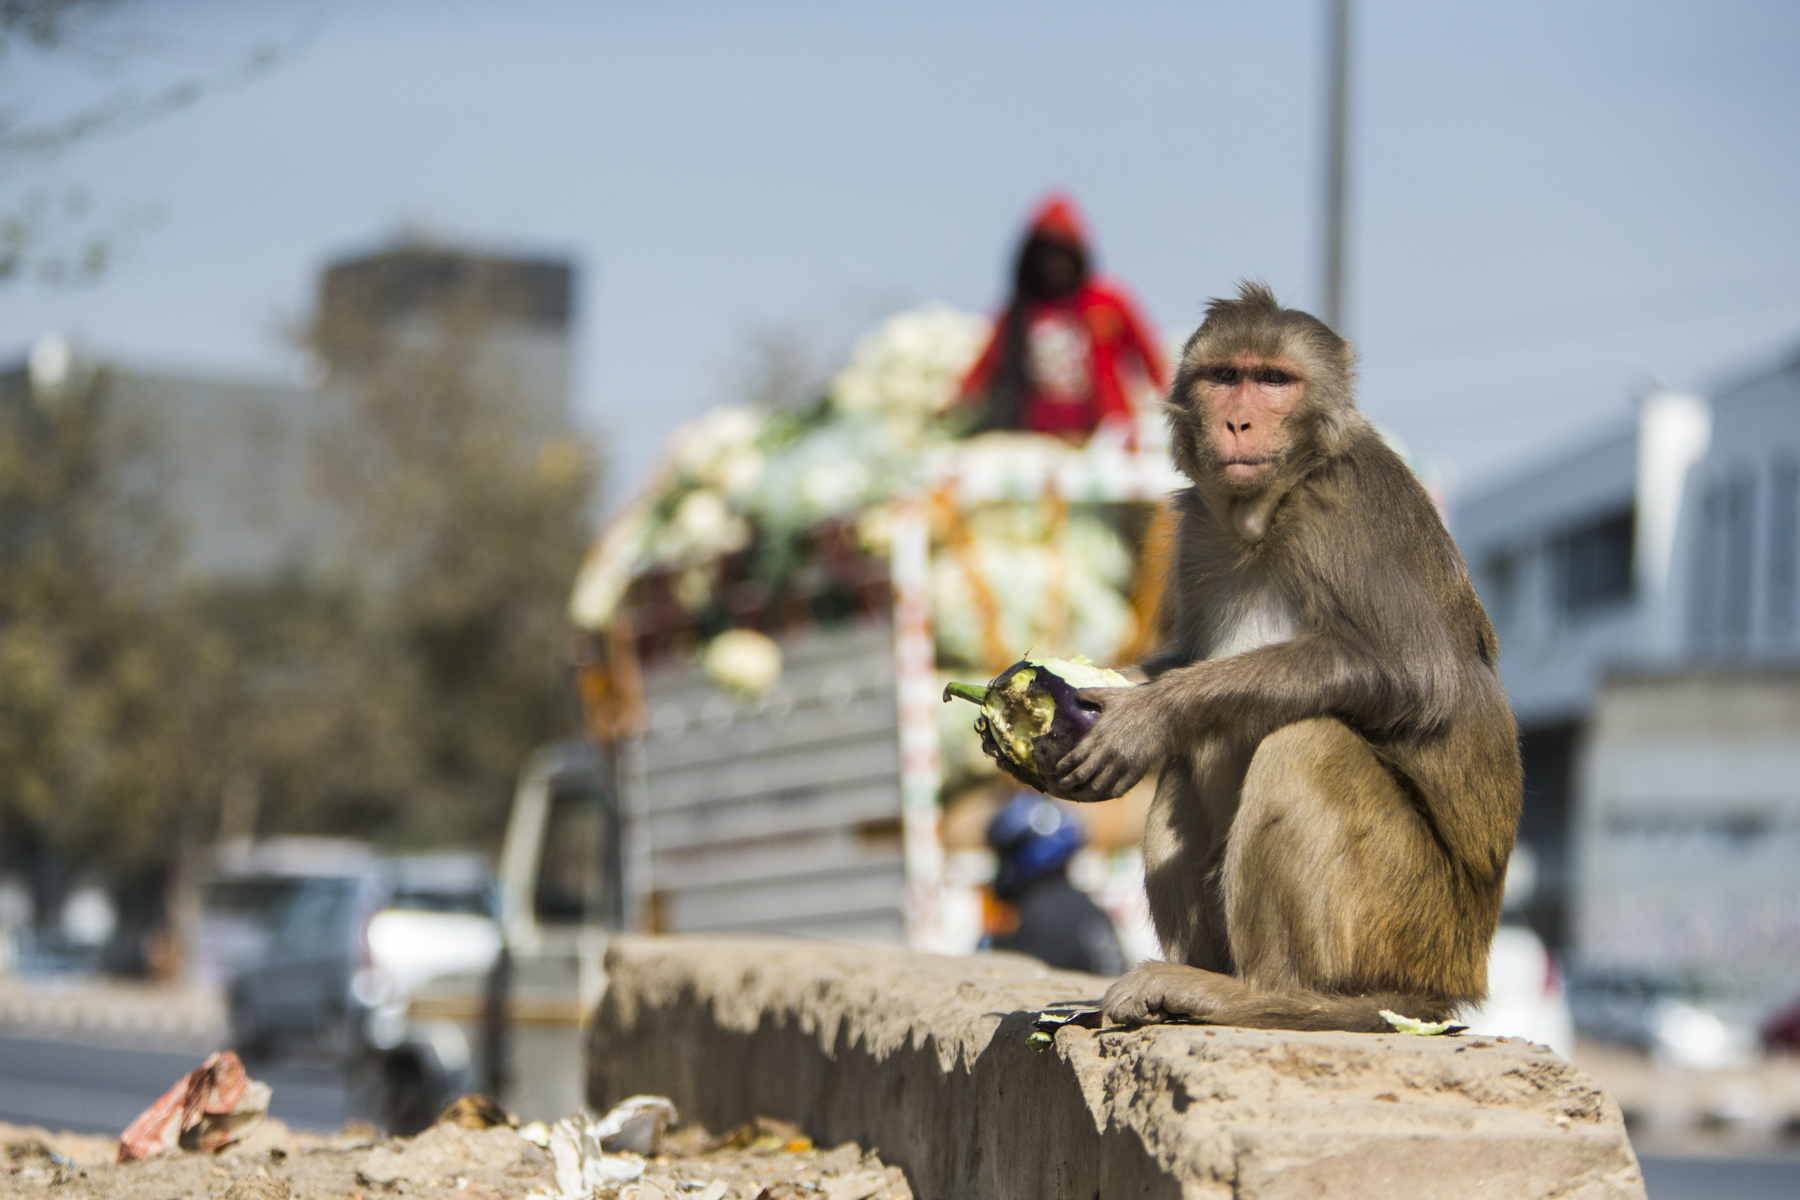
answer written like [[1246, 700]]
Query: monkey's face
[[1245, 403]]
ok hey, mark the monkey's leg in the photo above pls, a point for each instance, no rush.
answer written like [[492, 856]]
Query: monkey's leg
[[1336, 887], [1338, 900], [1184, 848], [1185, 839]]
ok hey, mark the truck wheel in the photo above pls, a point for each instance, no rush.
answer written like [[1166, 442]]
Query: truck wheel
[[409, 1105]]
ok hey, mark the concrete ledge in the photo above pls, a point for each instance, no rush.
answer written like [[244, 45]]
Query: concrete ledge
[[927, 1059]]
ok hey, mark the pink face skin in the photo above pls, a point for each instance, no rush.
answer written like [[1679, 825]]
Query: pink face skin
[[1246, 400]]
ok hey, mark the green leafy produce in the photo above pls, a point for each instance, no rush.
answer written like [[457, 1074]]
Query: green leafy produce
[[1420, 1028]]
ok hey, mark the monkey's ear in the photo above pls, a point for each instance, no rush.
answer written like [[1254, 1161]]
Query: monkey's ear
[[1184, 438], [1337, 426]]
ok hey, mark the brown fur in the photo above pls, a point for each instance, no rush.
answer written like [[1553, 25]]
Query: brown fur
[[1340, 769]]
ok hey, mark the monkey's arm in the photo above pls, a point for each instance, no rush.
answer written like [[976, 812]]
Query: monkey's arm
[[1395, 690], [1160, 664], [1377, 648], [1247, 695], [1393, 676], [1381, 646]]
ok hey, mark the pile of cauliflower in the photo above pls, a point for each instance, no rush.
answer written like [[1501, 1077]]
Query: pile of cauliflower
[[740, 476]]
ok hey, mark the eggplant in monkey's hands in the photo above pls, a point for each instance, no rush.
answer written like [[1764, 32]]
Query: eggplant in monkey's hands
[[1031, 715]]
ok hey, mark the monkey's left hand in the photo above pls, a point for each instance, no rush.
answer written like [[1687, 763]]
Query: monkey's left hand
[[1129, 739], [1163, 991]]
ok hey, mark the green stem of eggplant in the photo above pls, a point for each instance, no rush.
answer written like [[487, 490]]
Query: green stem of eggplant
[[975, 693]]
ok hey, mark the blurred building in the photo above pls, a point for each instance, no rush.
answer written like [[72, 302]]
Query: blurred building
[[1645, 595], [229, 460], [228, 465], [515, 311]]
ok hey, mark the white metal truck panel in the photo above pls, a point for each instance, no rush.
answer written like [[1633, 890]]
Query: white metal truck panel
[[779, 813]]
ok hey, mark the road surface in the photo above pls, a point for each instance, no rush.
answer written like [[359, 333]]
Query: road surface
[[87, 1088], [1721, 1178]]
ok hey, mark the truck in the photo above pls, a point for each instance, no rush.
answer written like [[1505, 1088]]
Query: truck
[[512, 1029], [810, 807]]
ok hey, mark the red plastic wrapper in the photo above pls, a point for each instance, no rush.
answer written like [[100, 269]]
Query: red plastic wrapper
[[211, 1107]]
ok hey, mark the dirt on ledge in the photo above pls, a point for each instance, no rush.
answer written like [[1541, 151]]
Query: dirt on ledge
[[445, 1161]]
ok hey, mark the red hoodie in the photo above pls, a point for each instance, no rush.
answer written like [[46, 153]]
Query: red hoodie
[[1075, 346]]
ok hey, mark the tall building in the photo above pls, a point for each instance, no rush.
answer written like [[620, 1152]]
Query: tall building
[[516, 309], [234, 458]]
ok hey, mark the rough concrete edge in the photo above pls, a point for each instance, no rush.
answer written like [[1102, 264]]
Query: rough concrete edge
[[851, 1005]]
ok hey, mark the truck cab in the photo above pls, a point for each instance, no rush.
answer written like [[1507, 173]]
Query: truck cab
[[514, 1031]]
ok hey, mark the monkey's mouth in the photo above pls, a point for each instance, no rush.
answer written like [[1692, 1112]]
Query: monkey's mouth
[[1254, 464]]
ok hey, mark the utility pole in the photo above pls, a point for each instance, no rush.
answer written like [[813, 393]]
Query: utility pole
[[1337, 131]]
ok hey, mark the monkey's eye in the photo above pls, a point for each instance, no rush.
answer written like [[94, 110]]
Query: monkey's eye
[[1221, 374], [1273, 376]]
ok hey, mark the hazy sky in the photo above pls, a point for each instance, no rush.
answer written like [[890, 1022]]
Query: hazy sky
[[1552, 202]]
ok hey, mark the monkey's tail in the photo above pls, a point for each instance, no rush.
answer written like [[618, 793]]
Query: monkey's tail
[[1320, 1011]]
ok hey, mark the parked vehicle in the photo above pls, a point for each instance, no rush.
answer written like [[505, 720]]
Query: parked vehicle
[[245, 896], [1672, 1019], [1525, 990], [346, 954], [513, 1030], [1782, 1029]]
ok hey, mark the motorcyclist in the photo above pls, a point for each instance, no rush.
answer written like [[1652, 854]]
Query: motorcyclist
[[1036, 910]]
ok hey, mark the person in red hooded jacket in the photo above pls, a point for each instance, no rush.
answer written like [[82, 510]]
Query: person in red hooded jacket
[[1057, 360]]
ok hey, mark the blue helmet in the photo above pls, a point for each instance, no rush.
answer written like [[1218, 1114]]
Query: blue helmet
[[1032, 836]]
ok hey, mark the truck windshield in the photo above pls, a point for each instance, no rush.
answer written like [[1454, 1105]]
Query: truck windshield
[[578, 879]]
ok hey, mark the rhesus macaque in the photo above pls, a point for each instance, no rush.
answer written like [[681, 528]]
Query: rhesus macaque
[[1340, 769]]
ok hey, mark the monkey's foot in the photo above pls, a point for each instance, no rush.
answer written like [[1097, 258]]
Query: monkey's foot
[[1161, 991]]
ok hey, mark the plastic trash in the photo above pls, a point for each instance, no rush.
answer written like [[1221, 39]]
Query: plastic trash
[[209, 1108], [637, 1124], [596, 1157]]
